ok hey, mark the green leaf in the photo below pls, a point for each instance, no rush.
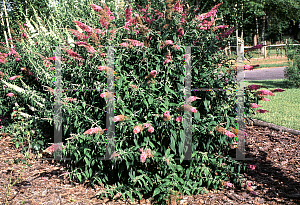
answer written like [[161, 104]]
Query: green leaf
[[150, 100], [156, 191], [145, 101], [130, 196], [206, 104]]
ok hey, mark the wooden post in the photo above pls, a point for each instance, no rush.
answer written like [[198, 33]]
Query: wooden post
[[265, 49]]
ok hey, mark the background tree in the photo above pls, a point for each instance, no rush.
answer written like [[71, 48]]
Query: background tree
[[16, 10]]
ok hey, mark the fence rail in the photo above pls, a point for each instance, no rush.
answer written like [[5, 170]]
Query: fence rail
[[264, 50]]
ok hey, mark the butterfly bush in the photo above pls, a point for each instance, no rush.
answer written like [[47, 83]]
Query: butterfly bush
[[149, 101]]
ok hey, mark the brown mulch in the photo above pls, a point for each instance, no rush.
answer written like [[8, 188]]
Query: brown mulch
[[275, 179]]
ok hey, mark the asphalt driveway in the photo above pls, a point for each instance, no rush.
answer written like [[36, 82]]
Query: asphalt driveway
[[265, 74]]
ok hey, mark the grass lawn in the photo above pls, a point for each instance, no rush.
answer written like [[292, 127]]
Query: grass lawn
[[284, 107]]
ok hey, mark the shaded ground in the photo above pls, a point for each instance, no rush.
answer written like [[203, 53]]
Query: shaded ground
[[276, 179]]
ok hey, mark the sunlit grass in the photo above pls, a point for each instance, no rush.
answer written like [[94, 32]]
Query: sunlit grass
[[284, 107]]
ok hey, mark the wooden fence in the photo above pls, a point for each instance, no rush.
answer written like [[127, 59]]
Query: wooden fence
[[264, 49]]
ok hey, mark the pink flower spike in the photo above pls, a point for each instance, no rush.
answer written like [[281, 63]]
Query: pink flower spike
[[265, 99], [248, 67], [262, 111], [13, 78], [265, 92], [192, 98], [179, 119], [136, 129], [103, 95], [229, 134], [147, 125], [143, 157], [255, 87], [278, 90], [254, 105], [10, 94], [134, 86], [116, 119], [151, 129], [252, 167], [153, 72], [180, 31], [169, 42], [193, 110], [178, 7], [18, 59], [124, 44], [167, 114], [101, 68], [229, 184], [96, 7]]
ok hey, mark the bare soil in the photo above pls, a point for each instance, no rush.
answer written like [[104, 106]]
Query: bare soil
[[276, 179]]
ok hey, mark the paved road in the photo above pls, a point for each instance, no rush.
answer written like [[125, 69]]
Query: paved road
[[265, 74]]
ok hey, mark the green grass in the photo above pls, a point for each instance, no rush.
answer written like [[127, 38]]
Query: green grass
[[283, 107], [273, 65]]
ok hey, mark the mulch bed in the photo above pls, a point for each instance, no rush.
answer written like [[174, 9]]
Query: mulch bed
[[275, 180]]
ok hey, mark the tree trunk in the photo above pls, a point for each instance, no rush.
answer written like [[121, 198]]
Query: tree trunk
[[254, 40], [7, 23], [5, 35], [263, 31], [256, 31]]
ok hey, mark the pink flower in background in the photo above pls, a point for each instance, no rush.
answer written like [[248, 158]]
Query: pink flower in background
[[229, 134], [178, 7], [179, 119], [265, 92], [18, 59], [53, 68], [103, 95], [255, 87], [254, 105], [169, 42], [1, 126], [94, 131], [10, 94], [252, 167], [265, 99], [151, 129], [228, 184], [204, 28], [193, 110], [262, 111], [277, 90]]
